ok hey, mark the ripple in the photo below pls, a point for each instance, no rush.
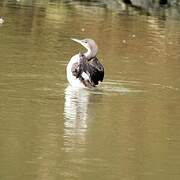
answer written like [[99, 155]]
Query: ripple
[[162, 86], [121, 87], [124, 87]]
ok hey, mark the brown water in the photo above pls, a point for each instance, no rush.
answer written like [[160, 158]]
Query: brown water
[[128, 128]]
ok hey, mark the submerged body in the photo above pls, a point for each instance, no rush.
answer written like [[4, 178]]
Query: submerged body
[[85, 70]]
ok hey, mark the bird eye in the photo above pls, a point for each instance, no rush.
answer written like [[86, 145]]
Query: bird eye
[[85, 41]]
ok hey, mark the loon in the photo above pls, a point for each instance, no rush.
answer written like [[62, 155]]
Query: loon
[[84, 69]]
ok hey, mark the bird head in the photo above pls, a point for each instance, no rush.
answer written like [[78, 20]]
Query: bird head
[[90, 45]]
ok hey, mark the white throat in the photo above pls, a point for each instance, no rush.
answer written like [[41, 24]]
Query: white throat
[[91, 52]]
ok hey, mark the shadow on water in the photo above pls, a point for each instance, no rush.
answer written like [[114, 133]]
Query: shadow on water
[[77, 114], [76, 106]]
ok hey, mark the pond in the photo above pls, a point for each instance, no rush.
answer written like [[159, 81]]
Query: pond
[[127, 128]]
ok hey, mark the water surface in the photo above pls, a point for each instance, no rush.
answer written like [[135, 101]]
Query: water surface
[[127, 128]]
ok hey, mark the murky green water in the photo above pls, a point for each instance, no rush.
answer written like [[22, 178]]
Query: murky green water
[[128, 128]]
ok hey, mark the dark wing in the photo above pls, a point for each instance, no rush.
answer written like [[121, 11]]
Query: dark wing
[[96, 70], [93, 68]]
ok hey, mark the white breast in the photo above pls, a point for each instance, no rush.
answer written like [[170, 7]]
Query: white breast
[[75, 82]]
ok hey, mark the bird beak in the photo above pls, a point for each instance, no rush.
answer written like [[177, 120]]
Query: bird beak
[[76, 40], [81, 42]]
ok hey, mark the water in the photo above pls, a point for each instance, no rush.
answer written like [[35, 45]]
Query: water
[[127, 128]]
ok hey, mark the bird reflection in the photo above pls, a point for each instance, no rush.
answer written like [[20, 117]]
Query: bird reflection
[[75, 116]]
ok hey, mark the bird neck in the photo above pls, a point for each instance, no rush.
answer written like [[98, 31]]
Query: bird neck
[[90, 53]]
